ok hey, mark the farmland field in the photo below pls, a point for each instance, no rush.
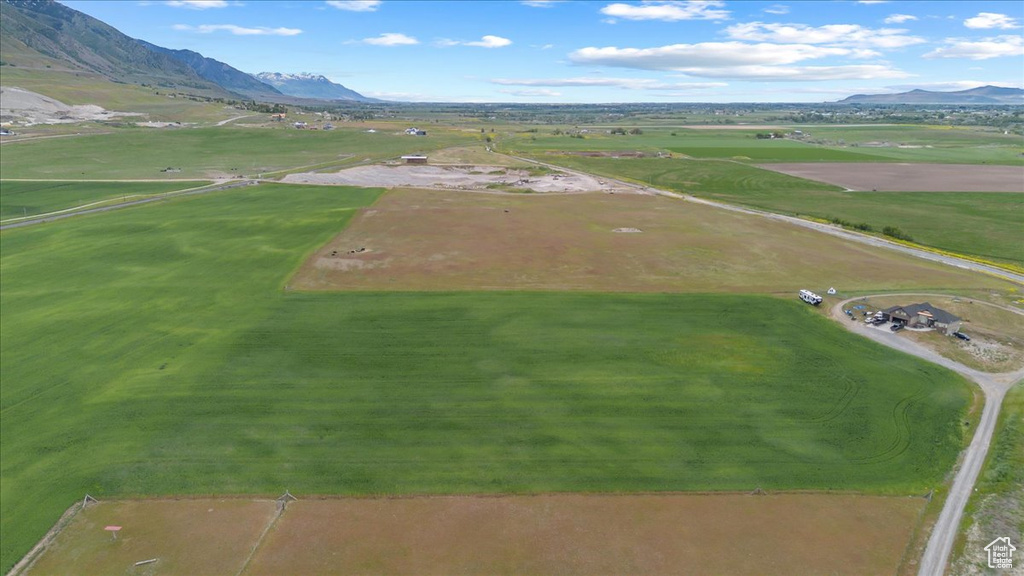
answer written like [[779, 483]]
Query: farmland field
[[910, 177], [879, 144], [176, 364], [544, 534], [978, 224], [31, 198], [206, 152], [464, 240]]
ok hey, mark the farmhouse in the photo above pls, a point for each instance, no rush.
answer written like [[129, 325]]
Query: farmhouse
[[923, 316]]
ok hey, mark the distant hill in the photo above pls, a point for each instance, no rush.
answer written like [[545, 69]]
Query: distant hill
[[220, 73], [982, 95], [45, 32], [311, 86]]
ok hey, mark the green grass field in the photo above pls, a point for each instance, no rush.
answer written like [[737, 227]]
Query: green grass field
[[820, 144], [980, 224], [29, 198], [207, 152], [168, 359], [771, 151]]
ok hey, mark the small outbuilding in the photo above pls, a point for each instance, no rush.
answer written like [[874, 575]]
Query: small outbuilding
[[415, 159], [924, 315]]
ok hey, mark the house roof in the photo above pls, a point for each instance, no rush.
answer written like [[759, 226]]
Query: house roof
[[937, 314]]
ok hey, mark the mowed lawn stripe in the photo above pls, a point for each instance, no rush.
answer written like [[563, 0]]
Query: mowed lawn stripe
[[153, 351]]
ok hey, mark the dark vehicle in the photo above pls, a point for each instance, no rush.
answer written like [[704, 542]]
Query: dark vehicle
[[962, 336], [897, 327]]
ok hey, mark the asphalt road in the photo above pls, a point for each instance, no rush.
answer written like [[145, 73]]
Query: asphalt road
[[994, 387]]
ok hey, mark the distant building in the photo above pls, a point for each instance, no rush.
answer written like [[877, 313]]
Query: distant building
[[415, 159], [415, 132], [924, 315]]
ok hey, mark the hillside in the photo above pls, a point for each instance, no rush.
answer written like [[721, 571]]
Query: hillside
[[44, 33], [311, 86], [219, 73], [981, 95]]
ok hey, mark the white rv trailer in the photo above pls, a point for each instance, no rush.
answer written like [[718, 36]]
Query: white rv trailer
[[810, 297]]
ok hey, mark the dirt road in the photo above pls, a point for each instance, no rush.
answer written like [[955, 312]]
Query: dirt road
[[60, 216], [994, 386], [825, 228]]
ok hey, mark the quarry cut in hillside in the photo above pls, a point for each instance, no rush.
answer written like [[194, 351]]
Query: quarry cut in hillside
[[28, 108]]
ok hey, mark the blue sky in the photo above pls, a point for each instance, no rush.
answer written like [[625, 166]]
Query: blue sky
[[589, 51]]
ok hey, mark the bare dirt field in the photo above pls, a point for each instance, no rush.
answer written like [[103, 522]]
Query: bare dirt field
[[786, 534], [185, 536], [499, 178], [442, 240], [885, 177]]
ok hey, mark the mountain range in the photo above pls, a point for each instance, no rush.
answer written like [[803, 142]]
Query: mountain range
[[307, 85], [981, 95], [45, 33]]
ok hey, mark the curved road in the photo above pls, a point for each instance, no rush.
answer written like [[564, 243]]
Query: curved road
[[994, 386]]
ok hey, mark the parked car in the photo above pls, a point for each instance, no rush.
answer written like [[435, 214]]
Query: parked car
[[897, 327], [962, 336]]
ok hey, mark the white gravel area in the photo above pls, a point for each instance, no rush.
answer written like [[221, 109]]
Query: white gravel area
[[492, 178]]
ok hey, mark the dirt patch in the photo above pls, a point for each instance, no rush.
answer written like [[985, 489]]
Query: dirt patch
[[29, 108], [546, 534], [443, 240], [492, 178], [580, 534], [185, 536], [892, 177]]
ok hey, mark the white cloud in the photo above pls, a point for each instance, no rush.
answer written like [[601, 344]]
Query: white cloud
[[624, 83], [798, 73], [705, 54], [488, 41], [986, 20], [778, 9], [872, 1], [738, 60], [355, 5], [982, 49], [951, 86], [198, 4], [899, 18], [534, 92], [391, 39], [238, 30], [668, 10], [834, 34], [540, 3]]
